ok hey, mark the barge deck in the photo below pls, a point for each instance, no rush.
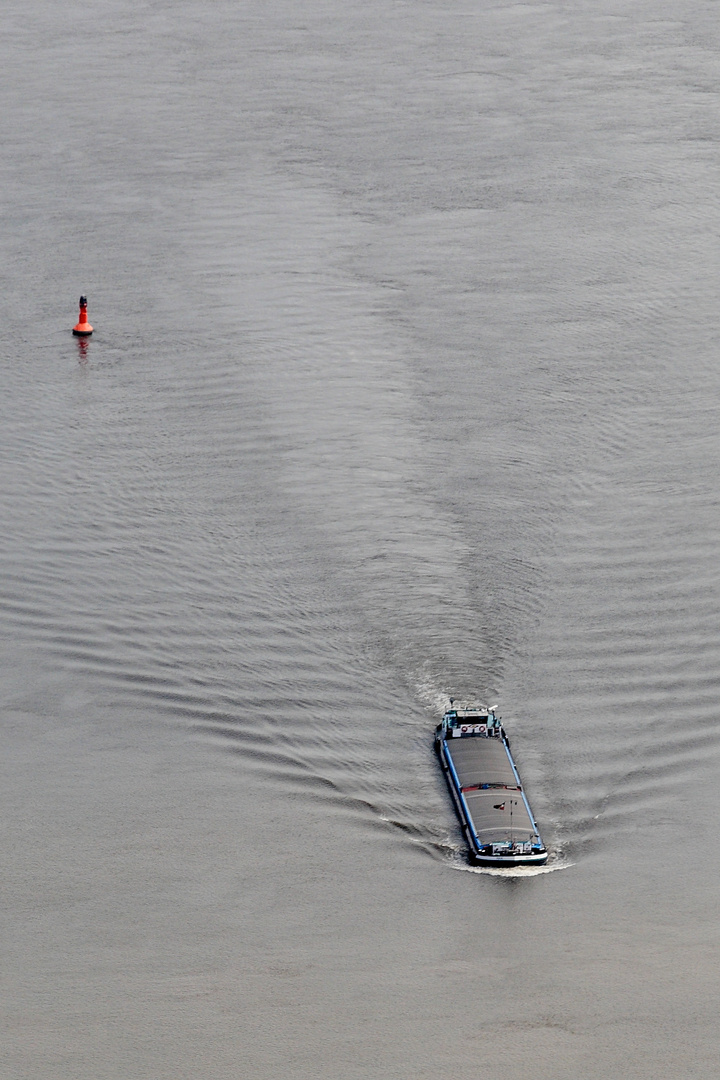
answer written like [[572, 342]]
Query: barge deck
[[498, 823]]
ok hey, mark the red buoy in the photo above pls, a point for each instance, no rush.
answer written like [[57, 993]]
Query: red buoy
[[82, 327]]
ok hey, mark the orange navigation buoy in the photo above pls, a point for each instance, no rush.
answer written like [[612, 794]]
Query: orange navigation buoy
[[82, 327]]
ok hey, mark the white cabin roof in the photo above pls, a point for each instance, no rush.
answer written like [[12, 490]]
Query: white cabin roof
[[468, 707]]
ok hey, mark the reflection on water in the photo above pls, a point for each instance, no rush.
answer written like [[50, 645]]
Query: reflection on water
[[82, 350]]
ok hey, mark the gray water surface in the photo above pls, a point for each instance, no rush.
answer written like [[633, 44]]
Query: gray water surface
[[404, 383]]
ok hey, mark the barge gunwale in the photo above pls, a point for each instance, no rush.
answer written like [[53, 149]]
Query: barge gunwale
[[475, 722]]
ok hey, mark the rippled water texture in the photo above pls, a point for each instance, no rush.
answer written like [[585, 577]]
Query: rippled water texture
[[404, 383]]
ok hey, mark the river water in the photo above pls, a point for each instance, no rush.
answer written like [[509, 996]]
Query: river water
[[404, 383]]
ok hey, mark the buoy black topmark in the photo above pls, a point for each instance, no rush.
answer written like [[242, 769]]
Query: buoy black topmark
[[82, 328]]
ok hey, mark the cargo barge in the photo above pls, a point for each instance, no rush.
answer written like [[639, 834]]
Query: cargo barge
[[494, 812]]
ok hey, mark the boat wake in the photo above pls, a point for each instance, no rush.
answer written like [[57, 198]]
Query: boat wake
[[514, 871]]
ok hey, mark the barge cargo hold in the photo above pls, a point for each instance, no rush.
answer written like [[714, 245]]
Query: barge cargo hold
[[495, 815]]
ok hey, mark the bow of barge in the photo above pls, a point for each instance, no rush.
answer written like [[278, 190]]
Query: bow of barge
[[495, 814]]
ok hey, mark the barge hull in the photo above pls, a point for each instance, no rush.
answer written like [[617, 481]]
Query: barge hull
[[489, 799]]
